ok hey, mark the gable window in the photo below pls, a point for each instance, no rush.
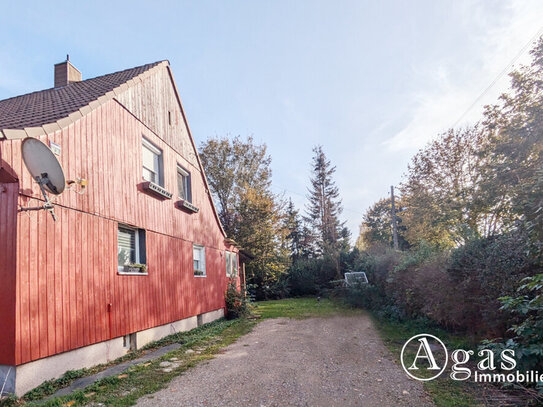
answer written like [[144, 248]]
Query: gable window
[[228, 256], [183, 184], [152, 163], [199, 260], [131, 253]]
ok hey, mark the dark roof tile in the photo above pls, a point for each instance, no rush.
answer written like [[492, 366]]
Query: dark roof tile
[[47, 106]]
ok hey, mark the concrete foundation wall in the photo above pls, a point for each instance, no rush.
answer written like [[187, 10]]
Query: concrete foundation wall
[[21, 379], [32, 374], [159, 332], [212, 315]]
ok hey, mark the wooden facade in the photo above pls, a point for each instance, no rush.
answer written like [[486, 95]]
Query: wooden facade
[[60, 286]]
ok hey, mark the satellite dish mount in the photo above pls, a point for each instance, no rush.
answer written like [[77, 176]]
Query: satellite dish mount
[[48, 205]]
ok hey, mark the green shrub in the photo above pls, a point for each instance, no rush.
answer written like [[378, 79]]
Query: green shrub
[[311, 276], [237, 303], [528, 339], [483, 270]]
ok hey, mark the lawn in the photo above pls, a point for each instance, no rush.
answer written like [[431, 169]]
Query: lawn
[[299, 308]]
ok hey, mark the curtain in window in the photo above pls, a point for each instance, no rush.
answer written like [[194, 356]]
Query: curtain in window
[[199, 258], [235, 263], [150, 165], [126, 246], [228, 264]]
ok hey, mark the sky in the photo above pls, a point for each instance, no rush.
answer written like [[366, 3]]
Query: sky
[[370, 81]]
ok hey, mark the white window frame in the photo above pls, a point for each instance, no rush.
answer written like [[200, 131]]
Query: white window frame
[[235, 267], [228, 259], [137, 255], [202, 260], [158, 152], [186, 183]]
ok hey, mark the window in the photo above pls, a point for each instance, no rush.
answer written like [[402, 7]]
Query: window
[[183, 184], [152, 163], [130, 249], [169, 118], [199, 259], [235, 263], [231, 264], [228, 256]]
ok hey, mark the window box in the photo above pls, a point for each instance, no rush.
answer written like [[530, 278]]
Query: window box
[[199, 273], [187, 206], [157, 190], [135, 269]]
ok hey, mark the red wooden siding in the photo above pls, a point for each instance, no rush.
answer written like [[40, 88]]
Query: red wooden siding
[[8, 259], [66, 272]]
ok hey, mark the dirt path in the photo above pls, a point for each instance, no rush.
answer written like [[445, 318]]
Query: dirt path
[[336, 361]]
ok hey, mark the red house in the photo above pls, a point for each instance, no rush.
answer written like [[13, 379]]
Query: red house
[[136, 255]]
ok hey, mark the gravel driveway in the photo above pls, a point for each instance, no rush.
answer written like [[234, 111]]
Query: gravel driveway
[[335, 361]]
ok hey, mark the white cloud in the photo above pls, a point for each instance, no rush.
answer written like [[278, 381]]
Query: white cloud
[[447, 96]]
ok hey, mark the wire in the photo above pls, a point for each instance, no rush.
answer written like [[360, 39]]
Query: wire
[[500, 75]]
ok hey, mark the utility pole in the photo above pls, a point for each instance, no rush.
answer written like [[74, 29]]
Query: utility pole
[[393, 215]]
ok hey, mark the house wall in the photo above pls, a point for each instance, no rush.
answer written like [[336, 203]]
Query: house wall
[[69, 294], [8, 225]]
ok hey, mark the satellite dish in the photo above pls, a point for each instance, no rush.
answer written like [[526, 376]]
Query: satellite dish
[[46, 171], [43, 165]]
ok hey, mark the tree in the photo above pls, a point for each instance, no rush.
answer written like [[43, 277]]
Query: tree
[[515, 150], [294, 227], [324, 208], [232, 166], [239, 177], [259, 228], [444, 204], [377, 225]]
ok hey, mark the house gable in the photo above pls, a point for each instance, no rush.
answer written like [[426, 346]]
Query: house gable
[[155, 101]]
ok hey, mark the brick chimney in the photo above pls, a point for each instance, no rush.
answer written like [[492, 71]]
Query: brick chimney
[[66, 73]]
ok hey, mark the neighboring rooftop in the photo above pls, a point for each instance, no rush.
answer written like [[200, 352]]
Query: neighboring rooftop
[[47, 106]]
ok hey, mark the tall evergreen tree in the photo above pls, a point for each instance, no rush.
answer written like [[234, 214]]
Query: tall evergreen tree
[[324, 207], [293, 225]]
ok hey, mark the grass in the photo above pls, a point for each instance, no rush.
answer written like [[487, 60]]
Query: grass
[[444, 391], [143, 378], [299, 308]]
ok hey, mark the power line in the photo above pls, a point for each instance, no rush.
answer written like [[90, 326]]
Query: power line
[[500, 75]]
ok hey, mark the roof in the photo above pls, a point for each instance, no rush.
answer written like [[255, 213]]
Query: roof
[[47, 106]]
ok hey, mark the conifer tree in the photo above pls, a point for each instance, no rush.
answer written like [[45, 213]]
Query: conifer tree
[[324, 207]]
